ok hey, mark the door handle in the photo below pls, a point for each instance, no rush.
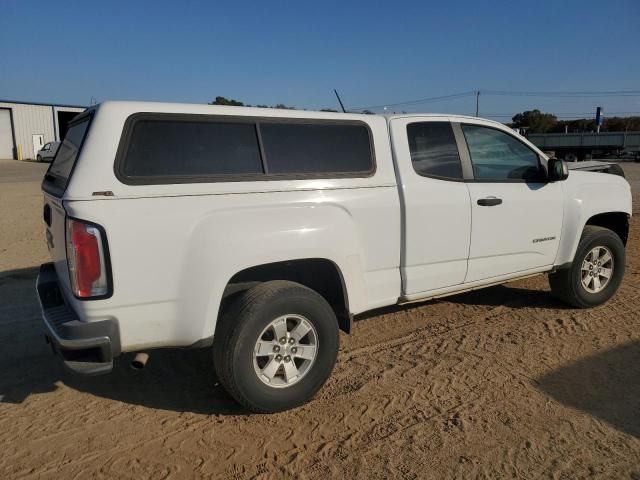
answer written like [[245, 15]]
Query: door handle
[[489, 201]]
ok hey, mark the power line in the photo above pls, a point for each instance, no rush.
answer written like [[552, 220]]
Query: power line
[[507, 93], [419, 100], [592, 113], [607, 93], [564, 115]]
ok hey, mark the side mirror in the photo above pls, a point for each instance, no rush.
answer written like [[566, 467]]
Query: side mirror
[[558, 170]]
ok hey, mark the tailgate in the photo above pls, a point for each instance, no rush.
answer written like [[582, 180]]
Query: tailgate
[[53, 187], [55, 222]]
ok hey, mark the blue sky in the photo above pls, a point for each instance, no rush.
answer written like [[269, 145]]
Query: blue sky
[[296, 52]]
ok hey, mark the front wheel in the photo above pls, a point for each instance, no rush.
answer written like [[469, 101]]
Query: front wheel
[[596, 271], [275, 346], [39, 158]]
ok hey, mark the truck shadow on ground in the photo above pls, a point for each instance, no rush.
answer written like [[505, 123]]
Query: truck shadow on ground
[[177, 380], [174, 380], [605, 385], [508, 296], [499, 295]]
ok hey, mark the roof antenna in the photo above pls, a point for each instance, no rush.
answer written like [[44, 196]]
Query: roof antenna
[[339, 101]]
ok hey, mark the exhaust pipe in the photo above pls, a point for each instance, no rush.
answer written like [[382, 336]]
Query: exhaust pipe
[[139, 361]]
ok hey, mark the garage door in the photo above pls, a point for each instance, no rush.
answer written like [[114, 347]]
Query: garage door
[[6, 135]]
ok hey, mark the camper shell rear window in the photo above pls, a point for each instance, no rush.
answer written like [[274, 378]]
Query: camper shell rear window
[[186, 148], [59, 172]]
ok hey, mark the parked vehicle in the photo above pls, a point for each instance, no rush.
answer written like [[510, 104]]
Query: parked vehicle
[[47, 152], [259, 233], [573, 147], [613, 168]]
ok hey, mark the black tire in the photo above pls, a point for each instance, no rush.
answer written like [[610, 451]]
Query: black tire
[[242, 323], [566, 284], [616, 169], [39, 158]]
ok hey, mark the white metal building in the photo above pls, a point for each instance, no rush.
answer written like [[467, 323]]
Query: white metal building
[[26, 127]]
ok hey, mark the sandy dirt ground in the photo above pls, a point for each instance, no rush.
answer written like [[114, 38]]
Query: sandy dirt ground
[[500, 383]]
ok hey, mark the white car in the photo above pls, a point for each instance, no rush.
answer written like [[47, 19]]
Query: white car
[[47, 152], [259, 233]]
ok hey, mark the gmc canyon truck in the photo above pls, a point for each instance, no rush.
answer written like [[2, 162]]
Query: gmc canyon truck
[[260, 233]]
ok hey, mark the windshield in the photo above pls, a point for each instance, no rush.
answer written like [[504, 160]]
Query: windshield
[[59, 172]]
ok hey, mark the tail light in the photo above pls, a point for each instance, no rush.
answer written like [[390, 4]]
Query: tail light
[[86, 259]]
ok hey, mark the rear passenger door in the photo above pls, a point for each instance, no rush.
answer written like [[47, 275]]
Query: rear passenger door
[[436, 204]]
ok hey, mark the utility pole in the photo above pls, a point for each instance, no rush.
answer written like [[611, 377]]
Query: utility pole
[[477, 102]]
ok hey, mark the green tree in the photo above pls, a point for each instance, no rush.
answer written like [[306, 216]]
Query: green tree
[[237, 103], [535, 121], [612, 124], [621, 124], [226, 101], [572, 126]]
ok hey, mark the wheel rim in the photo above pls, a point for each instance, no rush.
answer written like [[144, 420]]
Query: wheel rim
[[285, 351], [597, 269]]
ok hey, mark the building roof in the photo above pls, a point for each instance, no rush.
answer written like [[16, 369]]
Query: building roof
[[19, 102]]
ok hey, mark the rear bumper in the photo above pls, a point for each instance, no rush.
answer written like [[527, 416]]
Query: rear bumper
[[87, 348]]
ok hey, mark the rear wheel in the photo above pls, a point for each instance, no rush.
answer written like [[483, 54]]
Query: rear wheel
[[596, 271], [275, 346]]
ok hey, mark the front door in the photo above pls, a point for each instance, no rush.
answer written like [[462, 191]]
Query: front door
[[435, 201], [38, 143], [516, 213]]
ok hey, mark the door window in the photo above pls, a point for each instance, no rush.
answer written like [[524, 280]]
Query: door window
[[498, 156], [433, 148]]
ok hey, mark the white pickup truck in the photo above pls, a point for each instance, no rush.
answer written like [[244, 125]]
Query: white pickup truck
[[259, 233]]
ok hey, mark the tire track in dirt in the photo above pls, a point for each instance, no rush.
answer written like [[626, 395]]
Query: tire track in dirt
[[381, 406]]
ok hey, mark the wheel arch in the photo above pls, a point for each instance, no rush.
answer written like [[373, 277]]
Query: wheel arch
[[319, 274], [592, 199], [617, 222]]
